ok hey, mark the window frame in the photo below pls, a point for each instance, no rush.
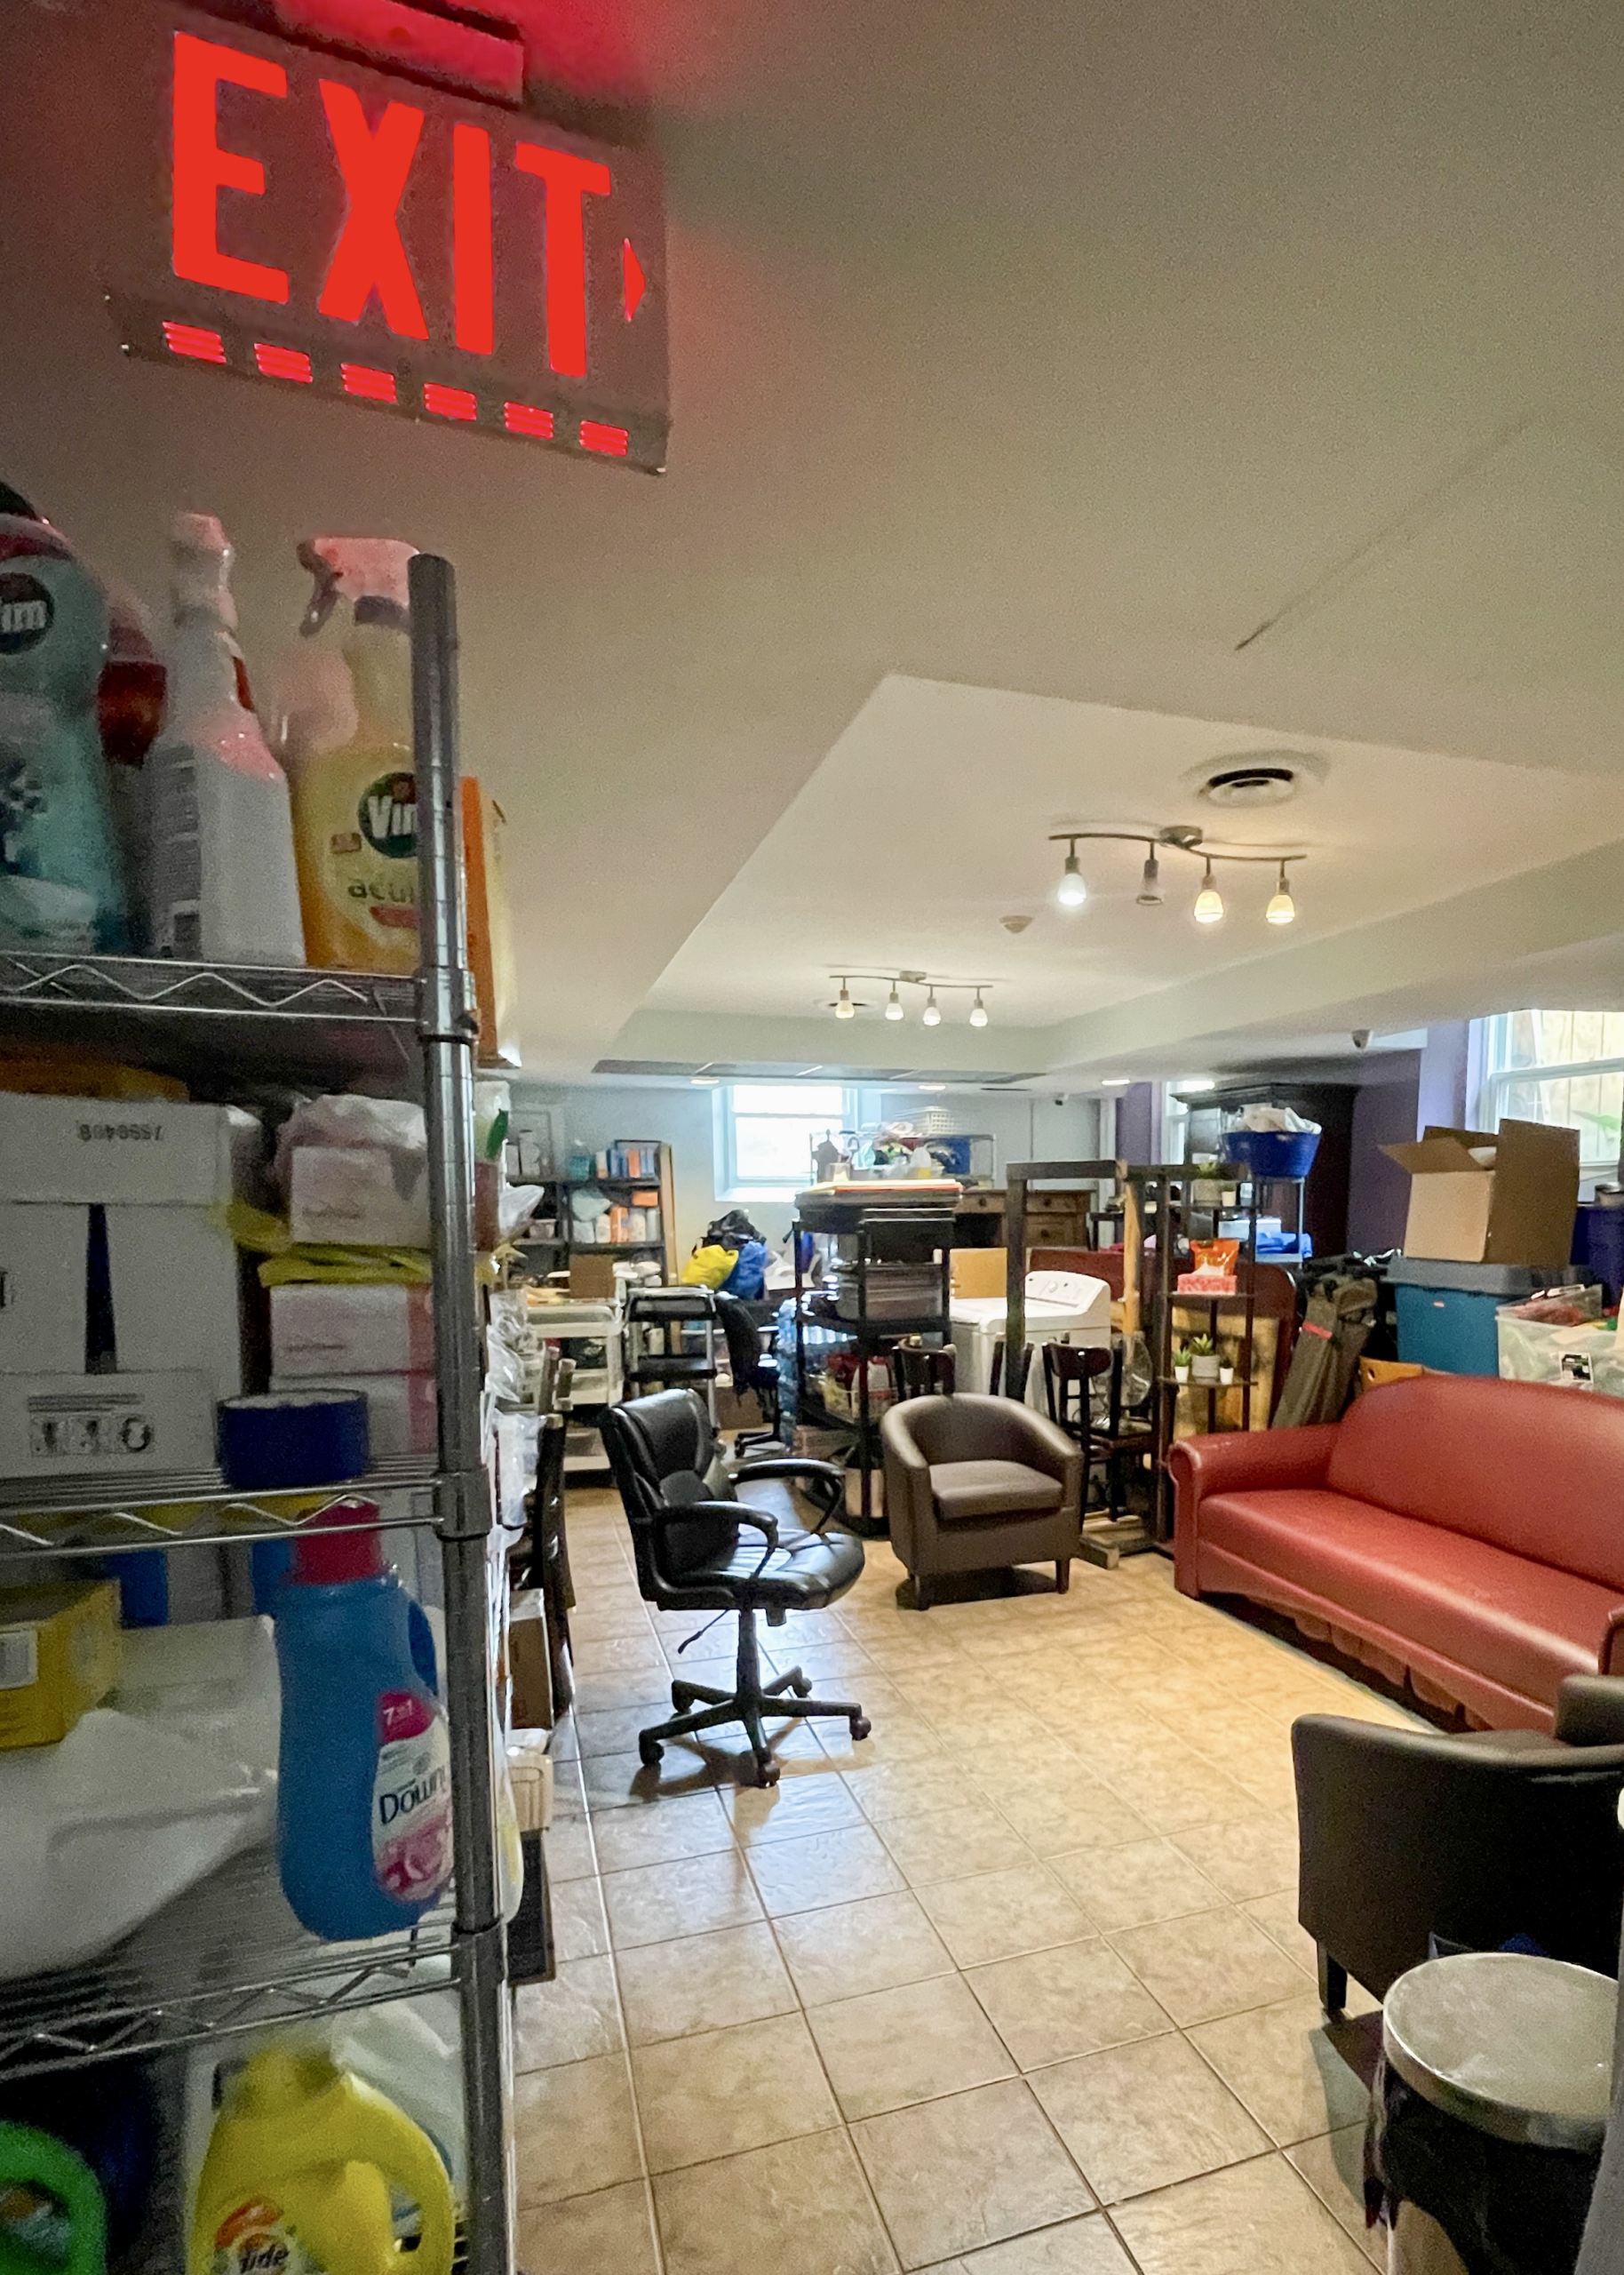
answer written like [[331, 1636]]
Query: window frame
[[1496, 1080], [729, 1184]]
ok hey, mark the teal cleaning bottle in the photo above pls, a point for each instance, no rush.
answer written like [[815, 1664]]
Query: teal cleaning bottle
[[61, 878], [363, 1832]]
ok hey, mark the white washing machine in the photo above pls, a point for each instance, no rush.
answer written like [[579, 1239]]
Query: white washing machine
[[1060, 1307]]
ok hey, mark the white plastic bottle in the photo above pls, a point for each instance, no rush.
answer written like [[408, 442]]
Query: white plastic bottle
[[222, 887]]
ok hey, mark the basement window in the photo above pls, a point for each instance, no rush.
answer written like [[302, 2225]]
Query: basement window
[[1561, 1067], [765, 1133]]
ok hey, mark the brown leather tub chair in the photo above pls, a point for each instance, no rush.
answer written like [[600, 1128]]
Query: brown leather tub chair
[[976, 1484], [1406, 1834]]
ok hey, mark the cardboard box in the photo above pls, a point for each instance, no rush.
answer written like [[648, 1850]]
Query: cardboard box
[[141, 1290], [1516, 1206], [116, 1150], [107, 1425], [59, 1657], [981, 1270], [592, 1276], [328, 1328], [402, 1410], [358, 1196], [530, 1665]]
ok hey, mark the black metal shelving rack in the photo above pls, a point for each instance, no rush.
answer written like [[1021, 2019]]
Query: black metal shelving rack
[[906, 1233]]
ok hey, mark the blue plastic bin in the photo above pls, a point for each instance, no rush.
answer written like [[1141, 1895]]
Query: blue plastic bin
[[1450, 1330], [1272, 1153]]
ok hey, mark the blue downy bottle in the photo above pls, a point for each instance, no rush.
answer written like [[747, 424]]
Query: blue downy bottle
[[363, 1830]]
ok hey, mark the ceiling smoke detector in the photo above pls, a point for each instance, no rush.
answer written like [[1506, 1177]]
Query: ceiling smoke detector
[[1264, 778]]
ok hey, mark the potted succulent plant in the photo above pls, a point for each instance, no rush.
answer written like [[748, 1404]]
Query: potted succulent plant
[[1203, 1358], [1226, 1370], [1181, 1364], [1206, 1183]]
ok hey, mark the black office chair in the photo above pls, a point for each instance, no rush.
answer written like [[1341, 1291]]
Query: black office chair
[[754, 1370], [691, 1535]]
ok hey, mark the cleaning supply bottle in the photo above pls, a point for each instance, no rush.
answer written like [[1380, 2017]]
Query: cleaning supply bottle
[[221, 883], [52, 2215], [62, 876], [301, 2170], [346, 740], [365, 1796]]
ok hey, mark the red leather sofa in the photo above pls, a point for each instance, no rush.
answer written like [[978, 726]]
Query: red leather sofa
[[1465, 1532]]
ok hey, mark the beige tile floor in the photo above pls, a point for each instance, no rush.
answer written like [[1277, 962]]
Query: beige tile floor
[[1013, 1987]]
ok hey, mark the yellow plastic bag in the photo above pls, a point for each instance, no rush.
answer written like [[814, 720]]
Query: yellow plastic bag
[[708, 1267]]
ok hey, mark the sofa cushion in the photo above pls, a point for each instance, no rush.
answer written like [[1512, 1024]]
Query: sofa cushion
[[964, 1490], [1522, 1624], [1529, 1467]]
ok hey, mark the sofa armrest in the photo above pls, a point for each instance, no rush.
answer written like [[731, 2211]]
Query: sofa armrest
[[1612, 1659], [1231, 1462], [1591, 1711]]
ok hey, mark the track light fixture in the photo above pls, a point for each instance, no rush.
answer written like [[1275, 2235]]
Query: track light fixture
[[1071, 892], [895, 1009], [1281, 909], [1209, 901]]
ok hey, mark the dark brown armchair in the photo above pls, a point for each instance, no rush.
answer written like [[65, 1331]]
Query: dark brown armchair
[[973, 1484], [1405, 1834]]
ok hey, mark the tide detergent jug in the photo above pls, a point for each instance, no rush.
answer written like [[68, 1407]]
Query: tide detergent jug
[[299, 2176]]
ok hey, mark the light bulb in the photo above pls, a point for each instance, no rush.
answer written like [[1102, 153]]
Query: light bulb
[[1071, 891], [1281, 909], [931, 1016], [1209, 901], [978, 1011], [844, 1008], [1151, 883], [894, 1004]]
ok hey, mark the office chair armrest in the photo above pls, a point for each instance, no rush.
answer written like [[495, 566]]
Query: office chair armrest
[[1590, 1710], [791, 1466], [821, 1481]]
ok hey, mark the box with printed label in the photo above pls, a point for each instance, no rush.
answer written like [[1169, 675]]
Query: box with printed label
[[358, 1196], [106, 1426], [59, 1657], [135, 1291], [127, 1150], [402, 1410], [332, 1327]]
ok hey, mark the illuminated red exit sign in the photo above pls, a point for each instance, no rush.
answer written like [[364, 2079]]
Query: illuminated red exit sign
[[315, 223]]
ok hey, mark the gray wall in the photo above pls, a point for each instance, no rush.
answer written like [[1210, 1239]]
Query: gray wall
[[1023, 1128]]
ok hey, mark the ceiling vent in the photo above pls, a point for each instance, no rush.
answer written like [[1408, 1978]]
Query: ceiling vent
[[1249, 782]]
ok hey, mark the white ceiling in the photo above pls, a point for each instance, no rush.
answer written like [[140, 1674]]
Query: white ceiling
[[929, 820], [1054, 348]]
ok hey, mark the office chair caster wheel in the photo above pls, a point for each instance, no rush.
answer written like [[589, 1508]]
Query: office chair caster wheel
[[651, 1753], [682, 1697], [802, 1686], [768, 1772], [860, 1726]]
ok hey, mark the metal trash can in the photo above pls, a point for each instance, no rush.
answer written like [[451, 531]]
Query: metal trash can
[[1489, 2112]]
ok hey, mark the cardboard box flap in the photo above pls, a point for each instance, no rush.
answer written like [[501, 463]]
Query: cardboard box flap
[[1437, 1151]]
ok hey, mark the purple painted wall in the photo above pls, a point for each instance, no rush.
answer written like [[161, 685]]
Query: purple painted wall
[[1385, 1113]]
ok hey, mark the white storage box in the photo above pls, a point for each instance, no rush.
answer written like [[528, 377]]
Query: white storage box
[[108, 1426], [97, 1149], [358, 1196], [328, 1328], [169, 1300]]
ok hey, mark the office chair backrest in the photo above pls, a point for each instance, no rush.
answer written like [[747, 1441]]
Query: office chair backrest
[[743, 1343], [665, 1456]]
